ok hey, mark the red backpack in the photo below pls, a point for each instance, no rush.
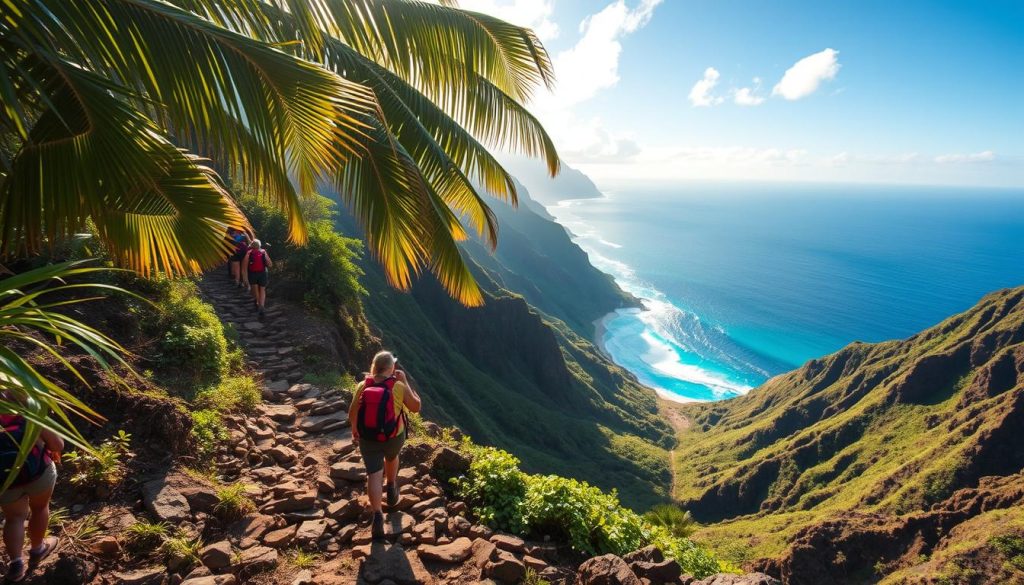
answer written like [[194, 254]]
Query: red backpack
[[14, 427], [376, 420], [257, 261]]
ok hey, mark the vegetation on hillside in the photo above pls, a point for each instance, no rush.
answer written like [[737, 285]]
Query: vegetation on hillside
[[886, 438]]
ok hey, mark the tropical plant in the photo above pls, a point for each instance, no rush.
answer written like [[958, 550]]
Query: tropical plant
[[101, 468], [111, 109], [677, 521], [32, 318], [145, 536]]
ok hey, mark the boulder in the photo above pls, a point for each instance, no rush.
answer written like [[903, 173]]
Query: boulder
[[348, 471], [457, 551], [217, 556], [279, 412], [509, 542], [316, 424], [165, 502], [505, 567], [650, 554], [344, 510], [450, 461], [247, 532], [425, 505], [666, 571], [483, 551], [257, 559], [293, 503], [70, 570], [310, 531], [105, 546], [303, 577], [201, 498], [459, 526], [280, 538], [606, 570], [283, 455]]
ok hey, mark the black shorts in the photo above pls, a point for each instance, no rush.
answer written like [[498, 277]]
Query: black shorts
[[258, 278], [237, 257]]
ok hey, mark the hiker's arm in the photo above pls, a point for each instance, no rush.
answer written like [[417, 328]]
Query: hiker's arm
[[244, 268], [266, 257], [410, 399], [353, 413], [54, 444]]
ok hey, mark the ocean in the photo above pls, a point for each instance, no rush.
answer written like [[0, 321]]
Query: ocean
[[740, 282]]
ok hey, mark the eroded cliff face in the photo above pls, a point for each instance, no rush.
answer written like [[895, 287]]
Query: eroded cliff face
[[861, 463]]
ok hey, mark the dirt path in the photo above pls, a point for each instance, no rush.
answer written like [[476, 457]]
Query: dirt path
[[679, 423]]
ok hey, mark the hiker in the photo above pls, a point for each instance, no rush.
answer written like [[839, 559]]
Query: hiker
[[28, 497], [378, 417], [241, 243], [257, 262]]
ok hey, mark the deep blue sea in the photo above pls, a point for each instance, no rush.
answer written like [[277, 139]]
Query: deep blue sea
[[741, 282]]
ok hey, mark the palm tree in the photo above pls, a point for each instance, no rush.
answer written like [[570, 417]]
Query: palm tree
[[677, 521], [113, 110]]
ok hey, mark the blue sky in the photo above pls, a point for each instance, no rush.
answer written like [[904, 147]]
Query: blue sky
[[898, 91]]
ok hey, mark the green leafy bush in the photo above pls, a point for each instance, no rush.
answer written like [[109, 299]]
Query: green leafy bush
[[102, 469], [590, 520], [677, 521], [495, 488], [208, 432], [233, 394], [191, 350]]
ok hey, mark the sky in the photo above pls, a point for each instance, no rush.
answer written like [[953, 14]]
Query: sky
[[873, 91]]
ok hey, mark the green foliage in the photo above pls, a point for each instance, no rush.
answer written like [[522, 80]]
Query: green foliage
[[233, 503], [233, 394], [590, 520], [494, 489], [677, 521], [76, 534], [302, 559], [532, 578], [324, 265], [191, 350], [182, 550], [208, 432], [144, 537], [103, 467], [1011, 547]]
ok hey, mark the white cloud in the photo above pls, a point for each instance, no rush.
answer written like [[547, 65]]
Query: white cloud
[[977, 157], [535, 14], [592, 64], [744, 96], [700, 95], [806, 75]]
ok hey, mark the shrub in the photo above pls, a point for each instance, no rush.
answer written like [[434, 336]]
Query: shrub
[[233, 394], [208, 432], [301, 559], [181, 550], [102, 469], [677, 521], [1011, 547], [191, 349], [494, 488], [143, 536], [233, 503]]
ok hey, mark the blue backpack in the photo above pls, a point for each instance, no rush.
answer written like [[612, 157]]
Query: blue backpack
[[14, 427]]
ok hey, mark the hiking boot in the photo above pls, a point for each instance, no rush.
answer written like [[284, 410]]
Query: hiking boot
[[16, 571], [377, 528], [392, 491], [34, 558]]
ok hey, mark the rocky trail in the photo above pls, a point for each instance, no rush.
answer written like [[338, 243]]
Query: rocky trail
[[297, 462]]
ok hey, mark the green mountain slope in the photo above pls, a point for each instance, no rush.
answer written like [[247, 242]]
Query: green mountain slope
[[860, 464], [519, 373]]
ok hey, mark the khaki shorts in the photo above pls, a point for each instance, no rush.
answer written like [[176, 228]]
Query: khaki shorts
[[40, 485], [375, 452]]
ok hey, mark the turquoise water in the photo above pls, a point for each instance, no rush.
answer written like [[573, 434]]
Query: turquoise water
[[742, 282]]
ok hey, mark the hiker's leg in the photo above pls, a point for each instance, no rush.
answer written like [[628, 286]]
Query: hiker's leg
[[39, 504], [374, 489], [263, 296], [391, 470], [15, 515]]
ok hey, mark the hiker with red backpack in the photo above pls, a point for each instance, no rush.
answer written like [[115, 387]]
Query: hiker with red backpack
[[379, 420], [257, 262], [28, 496]]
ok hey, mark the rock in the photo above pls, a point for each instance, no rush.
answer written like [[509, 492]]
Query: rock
[[70, 570], [459, 550], [252, 326], [279, 412], [217, 556], [148, 576], [303, 577], [534, 563], [275, 387], [748, 579], [425, 505], [509, 542], [459, 526], [316, 424], [450, 461], [606, 570], [398, 523], [298, 390], [301, 516], [348, 471], [394, 564], [667, 570], [310, 531], [483, 551], [212, 580], [294, 503], [283, 455], [196, 572], [105, 546], [344, 510], [280, 538], [165, 502], [651, 554], [201, 498], [505, 567], [247, 532], [269, 475], [257, 559]]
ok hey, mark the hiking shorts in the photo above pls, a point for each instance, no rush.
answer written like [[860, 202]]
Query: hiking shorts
[[39, 485], [237, 256], [258, 278], [375, 452]]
